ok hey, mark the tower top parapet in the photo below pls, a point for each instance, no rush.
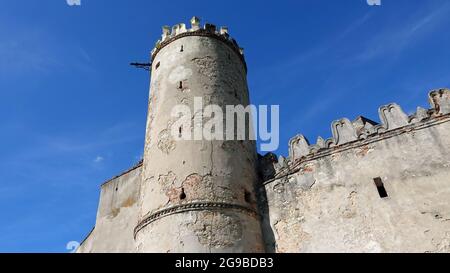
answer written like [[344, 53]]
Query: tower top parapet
[[170, 34]]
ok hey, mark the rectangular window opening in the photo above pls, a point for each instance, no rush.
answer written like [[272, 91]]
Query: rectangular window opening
[[380, 187]]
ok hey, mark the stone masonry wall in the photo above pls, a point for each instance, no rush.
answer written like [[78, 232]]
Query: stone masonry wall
[[116, 215], [324, 198]]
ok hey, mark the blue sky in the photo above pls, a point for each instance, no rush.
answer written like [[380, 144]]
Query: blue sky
[[73, 111]]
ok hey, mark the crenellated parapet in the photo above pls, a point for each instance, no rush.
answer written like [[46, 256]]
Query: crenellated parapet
[[170, 34], [346, 132], [439, 100]]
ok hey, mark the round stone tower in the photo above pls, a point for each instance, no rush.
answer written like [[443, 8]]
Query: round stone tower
[[197, 193]]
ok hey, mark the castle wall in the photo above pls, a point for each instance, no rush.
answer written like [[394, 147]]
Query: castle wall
[[116, 215], [325, 198], [370, 188]]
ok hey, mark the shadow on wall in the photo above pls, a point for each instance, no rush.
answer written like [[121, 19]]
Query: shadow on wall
[[266, 171]]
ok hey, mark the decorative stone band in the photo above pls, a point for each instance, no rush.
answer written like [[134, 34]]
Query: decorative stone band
[[194, 206], [204, 33]]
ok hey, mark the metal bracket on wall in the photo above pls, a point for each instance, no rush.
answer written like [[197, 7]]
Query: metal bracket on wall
[[146, 66]]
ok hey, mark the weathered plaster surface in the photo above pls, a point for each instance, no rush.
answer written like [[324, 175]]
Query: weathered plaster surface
[[206, 196], [326, 200], [116, 215], [179, 173]]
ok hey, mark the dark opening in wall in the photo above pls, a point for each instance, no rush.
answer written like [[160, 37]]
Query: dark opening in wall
[[181, 50], [182, 195], [180, 85], [180, 131], [157, 65], [380, 187], [247, 197]]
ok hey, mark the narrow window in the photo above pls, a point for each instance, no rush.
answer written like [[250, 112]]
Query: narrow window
[[180, 85], [380, 187], [181, 50], [247, 197], [157, 65], [182, 195], [180, 131]]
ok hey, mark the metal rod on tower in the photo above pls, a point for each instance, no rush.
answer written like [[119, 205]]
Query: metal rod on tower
[[146, 66]]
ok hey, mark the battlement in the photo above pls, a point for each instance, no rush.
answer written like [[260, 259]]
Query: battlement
[[170, 34], [346, 132]]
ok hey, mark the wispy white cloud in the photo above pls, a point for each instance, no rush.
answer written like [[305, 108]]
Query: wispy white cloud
[[392, 40], [288, 70], [25, 51], [52, 145], [73, 2], [99, 159], [387, 41], [35, 50]]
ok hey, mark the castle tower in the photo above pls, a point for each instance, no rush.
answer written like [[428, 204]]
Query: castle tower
[[196, 195]]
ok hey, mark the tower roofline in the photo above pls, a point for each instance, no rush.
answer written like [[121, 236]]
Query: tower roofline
[[208, 30]]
